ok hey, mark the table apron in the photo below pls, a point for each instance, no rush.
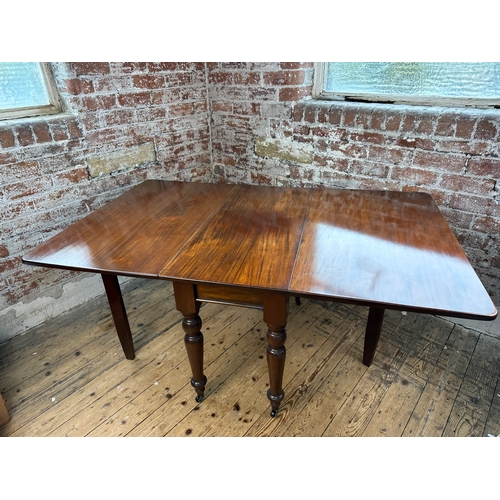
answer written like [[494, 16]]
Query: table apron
[[230, 295]]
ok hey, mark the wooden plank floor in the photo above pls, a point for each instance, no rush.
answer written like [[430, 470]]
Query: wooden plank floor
[[68, 377]]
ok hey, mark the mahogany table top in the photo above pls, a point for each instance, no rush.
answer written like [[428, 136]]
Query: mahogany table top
[[377, 248]]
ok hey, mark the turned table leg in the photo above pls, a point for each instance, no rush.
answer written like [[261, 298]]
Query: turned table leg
[[275, 315], [119, 313], [372, 334], [185, 300]]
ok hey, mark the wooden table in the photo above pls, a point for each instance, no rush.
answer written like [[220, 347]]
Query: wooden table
[[256, 246]]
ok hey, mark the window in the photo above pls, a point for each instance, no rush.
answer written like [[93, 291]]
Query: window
[[27, 89], [446, 84]]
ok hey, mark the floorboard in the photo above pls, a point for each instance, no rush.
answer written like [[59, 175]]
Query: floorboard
[[68, 377]]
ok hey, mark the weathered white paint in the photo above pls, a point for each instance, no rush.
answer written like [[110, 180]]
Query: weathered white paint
[[20, 317]]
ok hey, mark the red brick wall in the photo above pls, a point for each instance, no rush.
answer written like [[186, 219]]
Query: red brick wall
[[45, 183], [44, 177], [450, 153]]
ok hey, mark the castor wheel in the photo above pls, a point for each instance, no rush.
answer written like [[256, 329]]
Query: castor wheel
[[273, 413], [198, 399]]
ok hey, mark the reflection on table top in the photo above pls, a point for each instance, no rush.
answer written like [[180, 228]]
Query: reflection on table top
[[392, 249]]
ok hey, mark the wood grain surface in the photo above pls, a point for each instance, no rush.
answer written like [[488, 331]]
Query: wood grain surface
[[252, 241], [136, 233], [386, 248], [377, 248], [430, 377]]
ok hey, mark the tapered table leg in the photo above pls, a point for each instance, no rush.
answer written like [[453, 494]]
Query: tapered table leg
[[119, 313], [372, 334], [275, 315], [185, 300]]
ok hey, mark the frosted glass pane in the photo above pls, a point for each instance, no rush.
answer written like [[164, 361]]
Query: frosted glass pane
[[446, 80], [22, 85]]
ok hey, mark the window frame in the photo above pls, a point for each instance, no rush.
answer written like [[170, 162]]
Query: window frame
[[54, 107], [320, 94]]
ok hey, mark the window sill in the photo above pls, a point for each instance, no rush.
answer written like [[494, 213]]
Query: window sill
[[31, 120]]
